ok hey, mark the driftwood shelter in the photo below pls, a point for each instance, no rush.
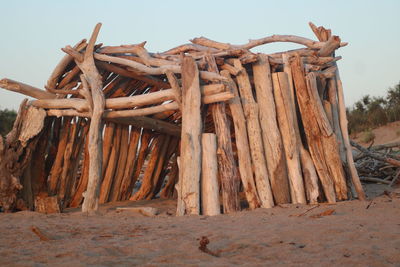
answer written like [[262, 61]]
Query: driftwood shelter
[[212, 124]]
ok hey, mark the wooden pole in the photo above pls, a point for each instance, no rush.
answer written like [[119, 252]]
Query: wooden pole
[[272, 140], [242, 144], [255, 138], [228, 173], [287, 128], [209, 177], [190, 167]]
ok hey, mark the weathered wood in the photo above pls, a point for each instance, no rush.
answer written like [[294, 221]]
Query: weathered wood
[[169, 188], [83, 179], [130, 162], [120, 169], [286, 123], [329, 141], [242, 144], [209, 177], [190, 167], [317, 128], [142, 154], [92, 77], [147, 183], [150, 124], [111, 166], [16, 153], [227, 169], [310, 176], [56, 169], [345, 133], [25, 89], [272, 140], [255, 138]]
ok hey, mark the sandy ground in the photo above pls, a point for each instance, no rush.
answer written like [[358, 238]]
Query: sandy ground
[[384, 134], [355, 234]]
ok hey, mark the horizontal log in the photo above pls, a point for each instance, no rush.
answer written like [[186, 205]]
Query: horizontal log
[[211, 94], [150, 124], [257, 42], [374, 180], [25, 89], [155, 71]]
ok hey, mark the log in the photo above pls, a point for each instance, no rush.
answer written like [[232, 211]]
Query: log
[[130, 163], [345, 133], [108, 137], [209, 177], [242, 144], [227, 169], [313, 131], [142, 154], [94, 80], [147, 183], [209, 76], [169, 188], [56, 169], [310, 176], [25, 89], [150, 124], [255, 138], [329, 141], [272, 140], [83, 180], [190, 167], [287, 128], [59, 70], [119, 172], [111, 166]]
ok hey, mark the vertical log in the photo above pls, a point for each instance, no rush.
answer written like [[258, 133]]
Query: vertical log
[[272, 140], [157, 150], [109, 130], [111, 166], [286, 125], [56, 169], [190, 138], [349, 154], [209, 176], [83, 180], [228, 173], [121, 163], [254, 131], [169, 188], [309, 173], [130, 162], [242, 144], [142, 154]]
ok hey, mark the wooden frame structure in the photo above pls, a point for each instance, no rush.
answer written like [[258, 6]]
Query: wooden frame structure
[[197, 121]]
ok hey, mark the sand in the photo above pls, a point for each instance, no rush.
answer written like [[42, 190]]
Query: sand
[[353, 235]]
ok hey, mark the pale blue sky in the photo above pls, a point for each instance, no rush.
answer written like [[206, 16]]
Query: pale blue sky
[[32, 33]]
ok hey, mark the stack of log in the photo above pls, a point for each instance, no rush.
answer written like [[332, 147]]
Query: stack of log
[[201, 122], [378, 164]]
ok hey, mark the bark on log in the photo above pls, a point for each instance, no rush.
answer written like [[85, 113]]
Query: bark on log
[[190, 167], [209, 177], [255, 137], [272, 140], [242, 144]]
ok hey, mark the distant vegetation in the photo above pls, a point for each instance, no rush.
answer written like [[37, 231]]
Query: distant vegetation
[[371, 112], [7, 118]]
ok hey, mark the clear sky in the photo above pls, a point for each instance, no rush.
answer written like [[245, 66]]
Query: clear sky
[[32, 33]]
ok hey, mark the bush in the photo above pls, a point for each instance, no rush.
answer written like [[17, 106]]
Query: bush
[[367, 136], [7, 118]]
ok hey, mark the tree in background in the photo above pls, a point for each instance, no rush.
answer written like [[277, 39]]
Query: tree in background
[[370, 112], [7, 118]]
